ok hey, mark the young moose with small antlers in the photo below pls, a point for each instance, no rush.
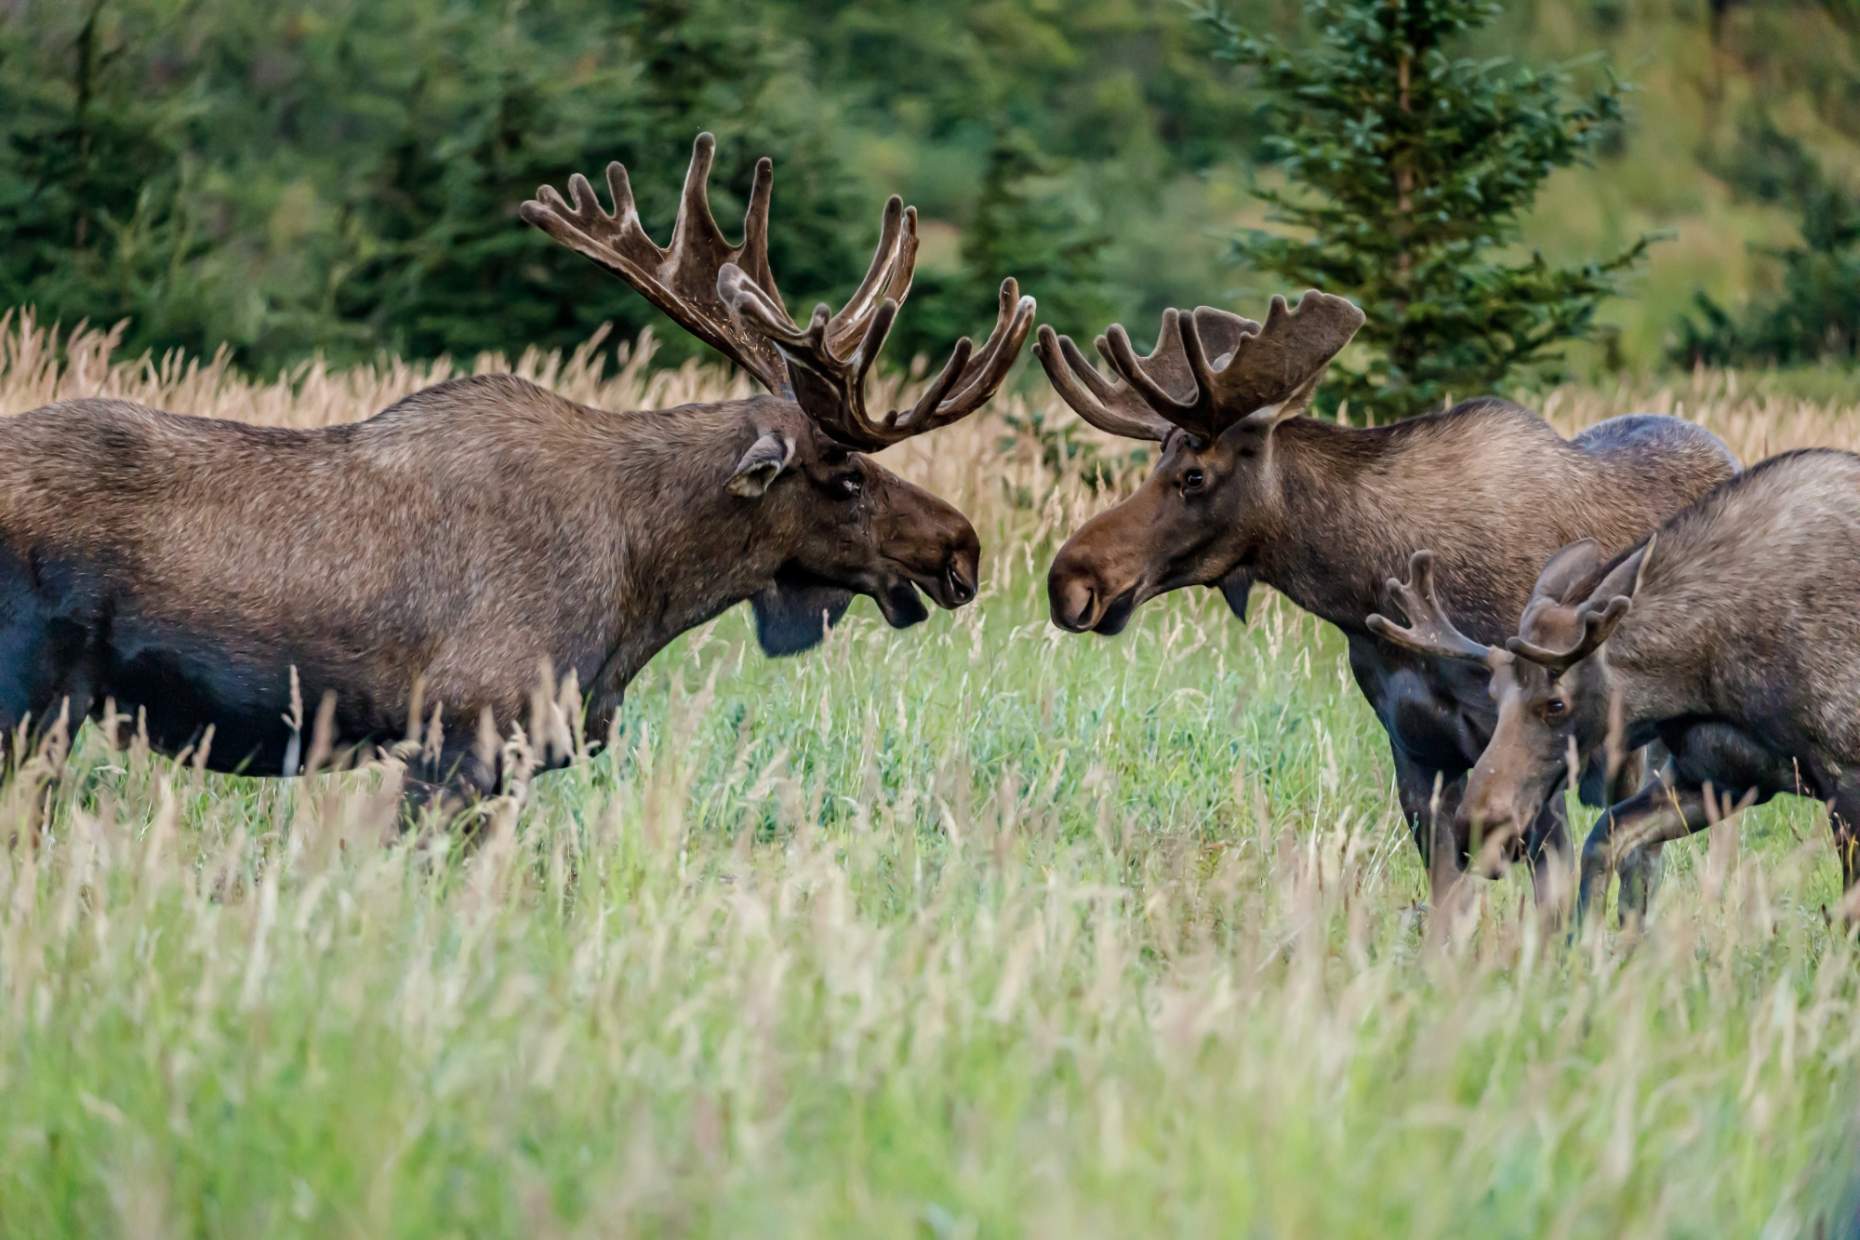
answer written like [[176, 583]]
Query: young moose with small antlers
[[203, 574], [1732, 637], [1247, 491]]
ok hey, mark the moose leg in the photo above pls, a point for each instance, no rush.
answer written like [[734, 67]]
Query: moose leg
[[1642, 867], [1662, 810], [45, 696], [1547, 850], [46, 666], [1844, 822], [1430, 800], [452, 782]]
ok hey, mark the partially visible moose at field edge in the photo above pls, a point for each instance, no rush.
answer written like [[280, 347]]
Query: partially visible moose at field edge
[[203, 574], [1247, 491], [1731, 636]]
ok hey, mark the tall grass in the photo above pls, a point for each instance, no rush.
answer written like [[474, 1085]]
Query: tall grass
[[971, 929]]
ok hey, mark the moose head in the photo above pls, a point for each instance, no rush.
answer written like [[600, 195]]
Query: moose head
[[797, 466], [1214, 392], [1551, 682]]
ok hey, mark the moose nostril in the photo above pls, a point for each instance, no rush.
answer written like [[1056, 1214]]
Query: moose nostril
[[961, 589], [1073, 604]]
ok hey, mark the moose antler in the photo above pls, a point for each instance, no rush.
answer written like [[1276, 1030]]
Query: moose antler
[[680, 279], [1210, 369], [1597, 617], [726, 296], [829, 377], [1429, 630], [1114, 405], [1597, 624]]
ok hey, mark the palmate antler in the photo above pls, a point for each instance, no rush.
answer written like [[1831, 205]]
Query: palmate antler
[[1210, 370], [680, 279], [726, 296], [1429, 631]]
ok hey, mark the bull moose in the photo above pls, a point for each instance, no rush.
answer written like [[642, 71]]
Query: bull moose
[[1731, 636], [1246, 491], [201, 574]]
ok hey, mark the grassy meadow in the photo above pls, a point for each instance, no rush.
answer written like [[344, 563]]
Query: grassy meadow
[[974, 929]]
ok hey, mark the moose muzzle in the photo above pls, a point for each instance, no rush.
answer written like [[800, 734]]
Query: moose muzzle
[[1083, 601]]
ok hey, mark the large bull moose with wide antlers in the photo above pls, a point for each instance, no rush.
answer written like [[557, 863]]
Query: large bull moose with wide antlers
[[202, 575], [1247, 491]]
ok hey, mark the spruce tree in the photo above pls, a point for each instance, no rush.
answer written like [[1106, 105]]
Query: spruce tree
[[1408, 165]]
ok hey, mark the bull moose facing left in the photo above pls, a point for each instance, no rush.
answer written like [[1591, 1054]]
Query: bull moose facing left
[[203, 574]]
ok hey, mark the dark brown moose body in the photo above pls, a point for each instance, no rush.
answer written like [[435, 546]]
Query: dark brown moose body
[[1731, 636], [224, 581], [1246, 491]]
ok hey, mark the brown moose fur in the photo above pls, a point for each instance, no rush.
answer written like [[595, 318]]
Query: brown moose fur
[[465, 539], [1491, 487]]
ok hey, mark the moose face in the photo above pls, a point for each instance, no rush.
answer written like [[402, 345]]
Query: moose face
[[846, 525], [1552, 685], [1211, 392], [1547, 719], [1195, 521], [1551, 682]]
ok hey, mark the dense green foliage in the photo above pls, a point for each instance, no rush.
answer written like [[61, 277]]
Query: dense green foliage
[[346, 177], [343, 176], [1410, 166], [1814, 314]]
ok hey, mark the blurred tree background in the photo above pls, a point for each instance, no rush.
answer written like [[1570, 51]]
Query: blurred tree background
[[342, 176]]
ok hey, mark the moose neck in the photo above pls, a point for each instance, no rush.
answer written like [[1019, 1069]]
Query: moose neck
[[683, 549], [1656, 670], [1353, 504]]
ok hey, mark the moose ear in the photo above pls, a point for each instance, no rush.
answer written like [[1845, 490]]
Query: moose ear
[[1624, 578], [1570, 573], [1297, 402], [792, 617], [761, 465], [1235, 587]]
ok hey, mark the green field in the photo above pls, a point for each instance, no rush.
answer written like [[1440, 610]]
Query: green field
[[975, 929]]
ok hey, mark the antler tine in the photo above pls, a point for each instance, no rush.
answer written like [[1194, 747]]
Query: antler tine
[[1598, 624], [1287, 355], [1181, 363], [1429, 631], [695, 221], [755, 252], [980, 375], [1090, 395], [682, 279], [888, 277]]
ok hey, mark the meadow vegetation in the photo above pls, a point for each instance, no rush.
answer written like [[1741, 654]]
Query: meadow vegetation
[[976, 928]]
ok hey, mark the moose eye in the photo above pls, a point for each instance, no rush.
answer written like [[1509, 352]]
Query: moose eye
[[1555, 708], [850, 486], [1193, 480]]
